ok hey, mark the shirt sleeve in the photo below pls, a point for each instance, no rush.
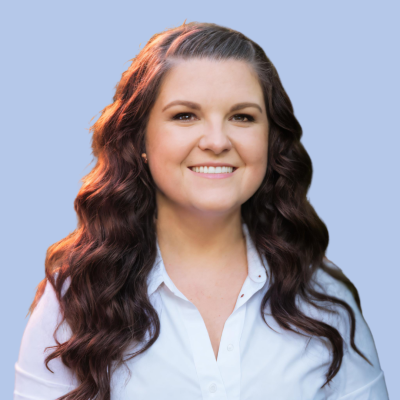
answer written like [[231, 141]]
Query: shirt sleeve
[[33, 381], [356, 379]]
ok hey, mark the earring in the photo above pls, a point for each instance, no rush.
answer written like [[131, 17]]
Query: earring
[[145, 157]]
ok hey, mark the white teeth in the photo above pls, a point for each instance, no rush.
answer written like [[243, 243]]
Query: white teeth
[[212, 170]]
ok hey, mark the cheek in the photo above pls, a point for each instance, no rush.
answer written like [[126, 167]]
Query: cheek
[[166, 154], [254, 152], [255, 157]]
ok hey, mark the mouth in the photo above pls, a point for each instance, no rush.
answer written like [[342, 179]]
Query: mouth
[[208, 169]]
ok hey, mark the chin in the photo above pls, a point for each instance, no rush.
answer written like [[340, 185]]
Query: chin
[[216, 207]]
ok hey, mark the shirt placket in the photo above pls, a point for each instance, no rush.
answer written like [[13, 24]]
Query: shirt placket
[[229, 362], [211, 381], [219, 379]]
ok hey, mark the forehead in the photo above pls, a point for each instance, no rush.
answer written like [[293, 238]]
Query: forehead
[[210, 81]]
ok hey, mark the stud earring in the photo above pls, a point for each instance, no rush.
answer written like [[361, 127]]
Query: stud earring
[[144, 157]]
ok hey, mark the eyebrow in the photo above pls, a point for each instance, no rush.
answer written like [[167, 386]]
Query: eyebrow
[[197, 106]]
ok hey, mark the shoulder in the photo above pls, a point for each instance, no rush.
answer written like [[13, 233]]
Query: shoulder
[[327, 284], [355, 374], [44, 320], [336, 284], [47, 313], [333, 282], [39, 333]]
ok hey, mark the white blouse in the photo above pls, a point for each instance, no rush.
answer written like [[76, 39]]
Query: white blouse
[[254, 361]]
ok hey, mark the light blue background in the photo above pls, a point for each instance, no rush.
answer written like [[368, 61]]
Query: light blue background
[[339, 63]]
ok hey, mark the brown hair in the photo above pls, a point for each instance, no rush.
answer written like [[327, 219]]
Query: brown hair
[[111, 252]]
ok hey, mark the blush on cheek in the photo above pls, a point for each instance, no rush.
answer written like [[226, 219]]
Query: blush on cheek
[[167, 181], [255, 176]]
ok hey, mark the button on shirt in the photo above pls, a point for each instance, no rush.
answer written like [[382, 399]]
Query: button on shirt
[[255, 361]]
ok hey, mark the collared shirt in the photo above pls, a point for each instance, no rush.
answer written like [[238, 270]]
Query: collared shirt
[[255, 361]]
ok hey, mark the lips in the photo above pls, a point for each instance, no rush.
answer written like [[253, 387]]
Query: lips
[[191, 168]]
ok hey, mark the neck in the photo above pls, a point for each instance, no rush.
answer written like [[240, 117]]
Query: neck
[[200, 243]]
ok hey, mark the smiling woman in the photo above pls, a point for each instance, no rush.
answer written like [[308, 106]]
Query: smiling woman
[[197, 269], [213, 136]]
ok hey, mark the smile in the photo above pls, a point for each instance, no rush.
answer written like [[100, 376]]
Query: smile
[[211, 172]]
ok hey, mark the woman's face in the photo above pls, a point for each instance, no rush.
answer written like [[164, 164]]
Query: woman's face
[[208, 113]]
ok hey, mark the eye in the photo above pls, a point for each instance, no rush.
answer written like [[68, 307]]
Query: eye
[[182, 117], [177, 117], [244, 116]]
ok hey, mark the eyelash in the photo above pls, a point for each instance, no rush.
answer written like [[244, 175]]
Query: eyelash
[[249, 117]]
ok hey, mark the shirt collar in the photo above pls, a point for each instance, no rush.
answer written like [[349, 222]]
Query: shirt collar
[[257, 268]]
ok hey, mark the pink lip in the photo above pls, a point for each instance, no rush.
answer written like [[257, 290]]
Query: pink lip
[[214, 176]]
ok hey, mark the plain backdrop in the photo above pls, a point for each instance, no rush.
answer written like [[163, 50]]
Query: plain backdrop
[[339, 63]]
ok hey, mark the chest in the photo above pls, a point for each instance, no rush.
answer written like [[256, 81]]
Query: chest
[[254, 361], [215, 302]]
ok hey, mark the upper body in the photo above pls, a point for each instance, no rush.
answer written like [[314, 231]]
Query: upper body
[[235, 166], [253, 361]]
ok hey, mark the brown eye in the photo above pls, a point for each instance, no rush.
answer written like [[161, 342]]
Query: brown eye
[[246, 117], [177, 117]]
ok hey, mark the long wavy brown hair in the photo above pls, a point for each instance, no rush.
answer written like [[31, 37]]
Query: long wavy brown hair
[[108, 257]]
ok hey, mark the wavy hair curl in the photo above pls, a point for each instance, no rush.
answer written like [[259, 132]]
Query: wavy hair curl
[[111, 252]]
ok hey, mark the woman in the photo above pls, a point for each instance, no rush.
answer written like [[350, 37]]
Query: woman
[[198, 266]]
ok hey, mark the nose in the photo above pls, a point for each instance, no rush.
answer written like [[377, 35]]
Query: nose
[[215, 139]]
